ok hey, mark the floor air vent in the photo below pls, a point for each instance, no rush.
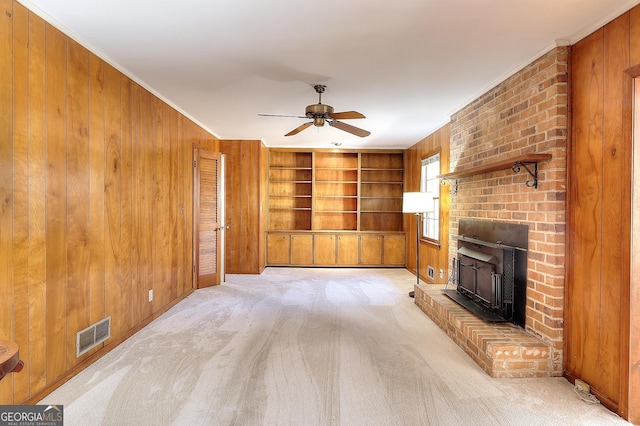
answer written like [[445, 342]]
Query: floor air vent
[[92, 336]]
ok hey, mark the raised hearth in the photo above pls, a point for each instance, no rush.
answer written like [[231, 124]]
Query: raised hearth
[[501, 350]]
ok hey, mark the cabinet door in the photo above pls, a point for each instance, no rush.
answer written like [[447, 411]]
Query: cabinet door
[[278, 249], [371, 249], [347, 250], [394, 250], [301, 249], [324, 250]]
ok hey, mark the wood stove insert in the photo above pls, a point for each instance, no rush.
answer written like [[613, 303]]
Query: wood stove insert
[[490, 270]]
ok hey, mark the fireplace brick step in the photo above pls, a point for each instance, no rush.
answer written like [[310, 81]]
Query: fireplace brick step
[[501, 350]]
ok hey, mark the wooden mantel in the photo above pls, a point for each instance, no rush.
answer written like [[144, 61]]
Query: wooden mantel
[[498, 165], [514, 163]]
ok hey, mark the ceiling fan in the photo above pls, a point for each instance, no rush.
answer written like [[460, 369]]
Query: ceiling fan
[[321, 113]]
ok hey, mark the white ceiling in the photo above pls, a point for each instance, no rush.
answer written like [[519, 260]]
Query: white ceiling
[[405, 64]]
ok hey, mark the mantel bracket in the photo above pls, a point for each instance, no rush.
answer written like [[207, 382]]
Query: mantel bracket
[[531, 183], [453, 184]]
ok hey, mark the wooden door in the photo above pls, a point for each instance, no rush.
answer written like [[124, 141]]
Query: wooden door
[[633, 360], [371, 249], [347, 250], [245, 185], [302, 249], [324, 250], [207, 176], [394, 250], [279, 249]]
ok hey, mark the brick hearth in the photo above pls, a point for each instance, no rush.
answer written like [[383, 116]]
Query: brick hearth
[[502, 350]]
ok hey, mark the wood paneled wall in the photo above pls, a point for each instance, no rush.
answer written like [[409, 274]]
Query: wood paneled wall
[[245, 176], [96, 201], [600, 290], [430, 254]]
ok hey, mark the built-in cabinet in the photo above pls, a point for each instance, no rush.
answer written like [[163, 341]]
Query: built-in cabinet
[[347, 249], [286, 248], [335, 208]]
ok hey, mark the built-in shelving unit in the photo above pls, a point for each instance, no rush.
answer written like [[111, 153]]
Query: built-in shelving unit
[[290, 185], [528, 162], [381, 192], [335, 191], [341, 208]]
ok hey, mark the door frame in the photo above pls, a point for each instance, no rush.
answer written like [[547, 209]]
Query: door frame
[[631, 369]]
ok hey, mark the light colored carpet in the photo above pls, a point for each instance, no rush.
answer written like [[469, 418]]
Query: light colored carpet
[[307, 347]]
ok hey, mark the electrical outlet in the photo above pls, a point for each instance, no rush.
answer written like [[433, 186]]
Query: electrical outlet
[[150, 295], [582, 387], [441, 273]]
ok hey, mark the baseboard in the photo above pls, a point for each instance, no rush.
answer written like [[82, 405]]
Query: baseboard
[[606, 401]]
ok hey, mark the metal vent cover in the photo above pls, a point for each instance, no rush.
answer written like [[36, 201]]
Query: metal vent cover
[[92, 336], [431, 272]]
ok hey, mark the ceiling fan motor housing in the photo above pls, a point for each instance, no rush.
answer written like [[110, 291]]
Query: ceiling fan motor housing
[[318, 112]]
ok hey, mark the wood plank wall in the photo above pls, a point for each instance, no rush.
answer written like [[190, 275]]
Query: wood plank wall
[[436, 256], [245, 177], [598, 312], [96, 201]]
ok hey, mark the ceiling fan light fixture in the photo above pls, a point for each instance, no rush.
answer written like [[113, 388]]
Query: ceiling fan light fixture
[[319, 114]]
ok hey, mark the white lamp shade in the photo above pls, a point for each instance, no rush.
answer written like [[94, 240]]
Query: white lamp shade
[[417, 202]]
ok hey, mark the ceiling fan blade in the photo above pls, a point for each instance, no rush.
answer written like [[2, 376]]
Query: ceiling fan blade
[[349, 128], [279, 115], [345, 115], [299, 129]]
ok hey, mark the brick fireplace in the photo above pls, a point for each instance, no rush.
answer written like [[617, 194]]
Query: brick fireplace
[[525, 114]]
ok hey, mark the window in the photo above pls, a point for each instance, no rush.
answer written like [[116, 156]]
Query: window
[[431, 184]]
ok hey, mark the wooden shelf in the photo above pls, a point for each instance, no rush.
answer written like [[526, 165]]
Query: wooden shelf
[[515, 164], [499, 165], [315, 190]]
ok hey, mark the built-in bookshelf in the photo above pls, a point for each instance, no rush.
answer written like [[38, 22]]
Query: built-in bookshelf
[[338, 191], [381, 188], [335, 191], [335, 208], [290, 190]]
